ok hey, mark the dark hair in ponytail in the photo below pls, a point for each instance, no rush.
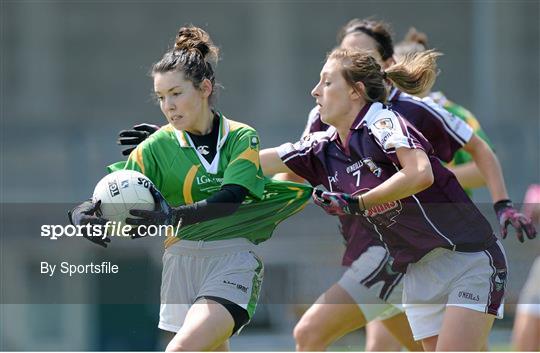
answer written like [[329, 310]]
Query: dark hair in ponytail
[[193, 54], [379, 31]]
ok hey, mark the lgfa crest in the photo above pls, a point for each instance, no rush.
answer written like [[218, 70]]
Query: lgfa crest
[[254, 142]]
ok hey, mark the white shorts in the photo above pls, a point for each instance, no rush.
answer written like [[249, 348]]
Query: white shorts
[[444, 278], [225, 269], [373, 285], [529, 299]]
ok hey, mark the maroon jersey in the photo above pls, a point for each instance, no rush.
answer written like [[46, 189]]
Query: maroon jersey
[[314, 123], [446, 132], [440, 216]]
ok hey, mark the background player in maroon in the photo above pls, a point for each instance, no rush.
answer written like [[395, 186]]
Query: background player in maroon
[[461, 164]]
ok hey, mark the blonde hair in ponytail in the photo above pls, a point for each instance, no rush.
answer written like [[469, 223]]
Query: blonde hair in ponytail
[[415, 73]]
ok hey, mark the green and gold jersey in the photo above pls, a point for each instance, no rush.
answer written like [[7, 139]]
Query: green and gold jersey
[[461, 156], [170, 160]]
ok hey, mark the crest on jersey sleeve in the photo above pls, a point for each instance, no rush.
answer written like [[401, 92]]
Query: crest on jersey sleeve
[[254, 142], [388, 131], [384, 123]]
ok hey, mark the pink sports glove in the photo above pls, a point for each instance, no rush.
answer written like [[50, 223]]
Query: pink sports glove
[[336, 203], [507, 214]]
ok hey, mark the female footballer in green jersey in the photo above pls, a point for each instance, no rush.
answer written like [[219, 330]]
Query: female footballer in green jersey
[[207, 170]]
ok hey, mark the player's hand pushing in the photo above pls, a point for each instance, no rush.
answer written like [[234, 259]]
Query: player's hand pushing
[[507, 214], [336, 203], [342, 204], [135, 136], [86, 213]]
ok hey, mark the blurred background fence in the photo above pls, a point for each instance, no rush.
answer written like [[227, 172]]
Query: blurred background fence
[[75, 72]]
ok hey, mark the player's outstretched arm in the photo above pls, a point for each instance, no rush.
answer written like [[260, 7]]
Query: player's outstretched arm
[[288, 177], [489, 166], [468, 175], [271, 163]]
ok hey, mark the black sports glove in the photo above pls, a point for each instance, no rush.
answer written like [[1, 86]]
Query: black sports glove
[[134, 136], [163, 214], [85, 213]]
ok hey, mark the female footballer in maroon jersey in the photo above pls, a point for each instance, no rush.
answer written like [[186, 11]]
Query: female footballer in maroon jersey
[[447, 134], [384, 177]]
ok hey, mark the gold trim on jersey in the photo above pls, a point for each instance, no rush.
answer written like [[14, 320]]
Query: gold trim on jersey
[[234, 125], [170, 240], [298, 209], [299, 193], [473, 123], [137, 157], [250, 155], [188, 184], [168, 128], [188, 199]]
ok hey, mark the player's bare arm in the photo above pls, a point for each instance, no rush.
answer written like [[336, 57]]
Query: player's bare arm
[[415, 176], [271, 163], [489, 167], [468, 175]]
